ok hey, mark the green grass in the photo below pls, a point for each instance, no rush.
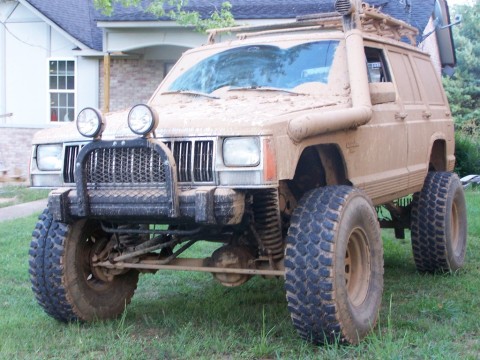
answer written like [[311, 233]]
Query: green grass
[[177, 315], [15, 194]]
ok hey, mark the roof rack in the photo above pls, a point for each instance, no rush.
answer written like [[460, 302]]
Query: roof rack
[[306, 22], [372, 21]]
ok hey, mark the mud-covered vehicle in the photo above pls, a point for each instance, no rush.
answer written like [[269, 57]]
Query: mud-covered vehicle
[[281, 146]]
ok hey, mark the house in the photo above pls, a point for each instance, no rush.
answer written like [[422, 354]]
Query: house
[[59, 56]]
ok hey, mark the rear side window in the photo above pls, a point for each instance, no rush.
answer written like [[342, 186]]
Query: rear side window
[[377, 66], [430, 81], [404, 78]]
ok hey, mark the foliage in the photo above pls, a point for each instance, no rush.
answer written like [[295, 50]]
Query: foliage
[[467, 154], [463, 89], [175, 10]]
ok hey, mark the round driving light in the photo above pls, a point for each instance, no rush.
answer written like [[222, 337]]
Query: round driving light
[[142, 119], [90, 122]]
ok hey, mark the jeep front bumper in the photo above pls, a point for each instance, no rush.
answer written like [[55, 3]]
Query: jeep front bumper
[[137, 179]]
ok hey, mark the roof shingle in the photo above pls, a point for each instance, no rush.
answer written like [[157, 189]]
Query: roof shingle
[[79, 18]]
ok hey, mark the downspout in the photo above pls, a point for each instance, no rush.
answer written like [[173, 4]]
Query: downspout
[[360, 113], [106, 83]]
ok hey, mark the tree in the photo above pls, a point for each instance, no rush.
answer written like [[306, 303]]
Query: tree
[[175, 10], [463, 90]]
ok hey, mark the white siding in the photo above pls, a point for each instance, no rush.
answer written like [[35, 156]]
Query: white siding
[[130, 39], [87, 83], [26, 45], [26, 73]]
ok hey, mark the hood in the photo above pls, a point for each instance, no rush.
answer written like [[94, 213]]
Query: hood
[[240, 113]]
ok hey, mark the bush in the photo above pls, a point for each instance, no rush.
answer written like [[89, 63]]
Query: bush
[[467, 153]]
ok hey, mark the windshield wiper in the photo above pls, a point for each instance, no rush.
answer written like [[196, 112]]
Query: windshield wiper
[[263, 88], [189, 92]]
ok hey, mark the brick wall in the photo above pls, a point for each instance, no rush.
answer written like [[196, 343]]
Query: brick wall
[[430, 46], [15, 151], [131, 81]]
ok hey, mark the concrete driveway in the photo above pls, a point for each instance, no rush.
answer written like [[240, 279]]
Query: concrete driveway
[[22, 210]]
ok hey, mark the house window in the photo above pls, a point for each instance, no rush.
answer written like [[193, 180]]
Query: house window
[[62, 90]]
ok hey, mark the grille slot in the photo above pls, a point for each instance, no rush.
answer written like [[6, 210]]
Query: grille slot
[[137, 166], [71, 153], [203, 161]]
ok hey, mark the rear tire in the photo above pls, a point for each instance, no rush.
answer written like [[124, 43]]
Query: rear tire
[[334, 266], [64, 281], [439, 224]]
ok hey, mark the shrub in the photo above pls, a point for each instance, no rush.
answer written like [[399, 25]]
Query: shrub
[[467, 153]]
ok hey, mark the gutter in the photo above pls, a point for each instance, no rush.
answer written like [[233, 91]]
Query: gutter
[[321, 122]]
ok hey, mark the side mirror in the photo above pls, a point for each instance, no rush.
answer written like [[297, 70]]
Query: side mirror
[[382, 92]]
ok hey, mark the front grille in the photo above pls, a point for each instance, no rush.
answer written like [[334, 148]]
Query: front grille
[[124, 167], [137, 166]]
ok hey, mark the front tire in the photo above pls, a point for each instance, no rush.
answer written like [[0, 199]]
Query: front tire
[[64, 281], [334, 266], [439, 224]]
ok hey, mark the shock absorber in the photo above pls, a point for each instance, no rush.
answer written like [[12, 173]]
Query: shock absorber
[[268, 222]]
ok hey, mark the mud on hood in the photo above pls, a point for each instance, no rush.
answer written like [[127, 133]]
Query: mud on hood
[[185, 115]]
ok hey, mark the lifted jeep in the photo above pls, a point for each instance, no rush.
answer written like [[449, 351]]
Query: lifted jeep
[[278, 145]]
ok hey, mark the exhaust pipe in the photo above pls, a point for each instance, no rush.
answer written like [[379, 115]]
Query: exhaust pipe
[[321, 122]]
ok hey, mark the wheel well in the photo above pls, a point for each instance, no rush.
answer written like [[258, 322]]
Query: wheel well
[[438, 156], [318, 166]]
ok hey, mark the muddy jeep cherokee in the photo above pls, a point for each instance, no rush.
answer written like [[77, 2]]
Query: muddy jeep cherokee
[[283, 146]]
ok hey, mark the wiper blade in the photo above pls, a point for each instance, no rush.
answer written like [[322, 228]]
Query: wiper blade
[[192, 93], [263, 88]]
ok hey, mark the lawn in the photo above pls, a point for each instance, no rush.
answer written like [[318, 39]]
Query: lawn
[[16, 194], [176, 315]]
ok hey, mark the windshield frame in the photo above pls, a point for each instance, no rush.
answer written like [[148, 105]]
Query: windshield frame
[[337, 84], [259, 66]]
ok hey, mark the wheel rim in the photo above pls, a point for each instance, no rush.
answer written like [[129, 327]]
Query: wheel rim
[[93, 276], [357, 267]]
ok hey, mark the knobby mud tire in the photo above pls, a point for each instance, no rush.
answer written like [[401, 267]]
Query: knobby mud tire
[[334, 266], [61, 275], [439, 224]]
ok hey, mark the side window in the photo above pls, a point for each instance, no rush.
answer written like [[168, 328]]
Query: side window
[[404, 78], [430, 81], [62, 89], [376, 66]]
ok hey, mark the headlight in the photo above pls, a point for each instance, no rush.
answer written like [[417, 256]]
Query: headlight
[[49, 157], [142, 119], [241, 151], [90, 122]]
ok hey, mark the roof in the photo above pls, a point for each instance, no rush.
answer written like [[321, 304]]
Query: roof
[[79, 18], [76, 18]]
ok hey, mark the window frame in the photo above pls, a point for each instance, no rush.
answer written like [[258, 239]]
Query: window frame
[[385, 68], [50, 91]]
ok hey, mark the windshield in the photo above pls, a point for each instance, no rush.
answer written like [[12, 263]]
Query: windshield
[[260, 66]]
